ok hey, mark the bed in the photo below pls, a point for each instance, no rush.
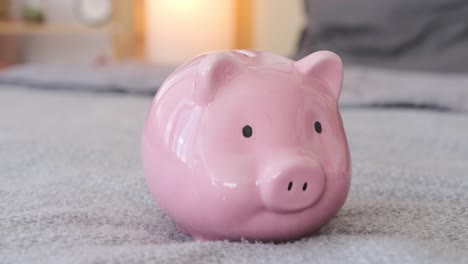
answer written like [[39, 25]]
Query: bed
[[72, 189]]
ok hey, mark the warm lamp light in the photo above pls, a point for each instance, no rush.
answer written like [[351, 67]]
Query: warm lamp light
[[178, 30]]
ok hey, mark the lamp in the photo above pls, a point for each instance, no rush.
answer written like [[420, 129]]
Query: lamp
[[178, 30]]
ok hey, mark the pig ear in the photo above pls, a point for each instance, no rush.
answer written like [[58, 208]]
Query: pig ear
[[214, 72], [326, 66]]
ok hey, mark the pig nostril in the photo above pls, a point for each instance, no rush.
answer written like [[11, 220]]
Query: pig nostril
[[290, 186], [304, 187]]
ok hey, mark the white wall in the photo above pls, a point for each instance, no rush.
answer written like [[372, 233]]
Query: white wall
[[178, 30], [278, 24], [81, 49]]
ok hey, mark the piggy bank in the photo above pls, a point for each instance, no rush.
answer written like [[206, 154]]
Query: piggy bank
[[248, 145]]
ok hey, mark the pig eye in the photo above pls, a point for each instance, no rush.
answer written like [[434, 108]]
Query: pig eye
[[247, 131], [318, 127]]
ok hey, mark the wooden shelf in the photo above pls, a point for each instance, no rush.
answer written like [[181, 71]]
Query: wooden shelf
[[22, 28], [126, 29]]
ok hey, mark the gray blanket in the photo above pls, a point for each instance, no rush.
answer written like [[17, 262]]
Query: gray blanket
[[72, 190]]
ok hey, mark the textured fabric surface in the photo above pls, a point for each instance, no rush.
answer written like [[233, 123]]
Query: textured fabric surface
[[427, 35], [72, 190]]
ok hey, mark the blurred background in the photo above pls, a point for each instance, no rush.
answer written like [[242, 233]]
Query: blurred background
[[131, 46], [158, 31]]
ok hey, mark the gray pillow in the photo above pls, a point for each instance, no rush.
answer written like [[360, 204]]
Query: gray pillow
[[128, 77], [430, 35]]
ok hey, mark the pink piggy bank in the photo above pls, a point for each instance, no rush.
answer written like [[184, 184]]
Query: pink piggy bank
[[247, 144]]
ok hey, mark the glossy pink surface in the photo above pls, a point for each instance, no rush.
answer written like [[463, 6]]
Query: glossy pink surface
[[246, 144]]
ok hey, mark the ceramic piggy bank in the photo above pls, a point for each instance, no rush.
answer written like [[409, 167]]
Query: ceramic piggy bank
[[249, 145]]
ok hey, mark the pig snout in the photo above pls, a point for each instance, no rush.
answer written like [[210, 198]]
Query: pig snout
[[292, 187]]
